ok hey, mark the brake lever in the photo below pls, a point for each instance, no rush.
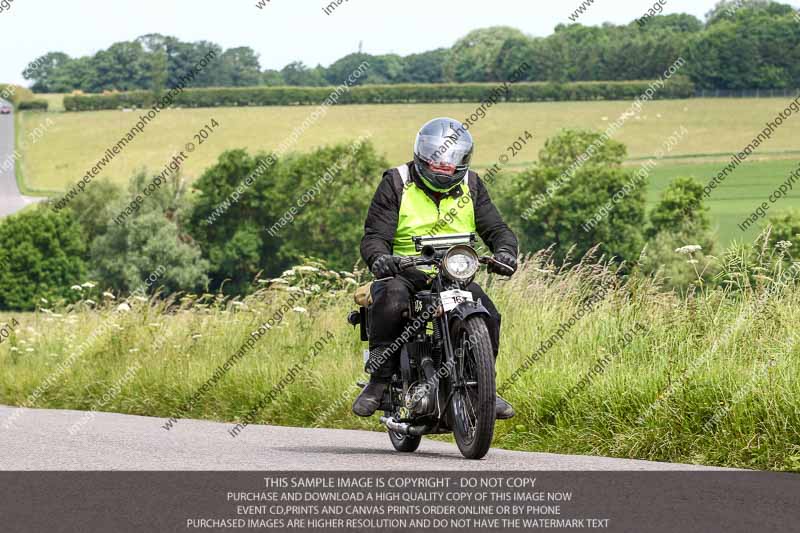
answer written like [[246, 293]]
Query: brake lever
[[489, 260]]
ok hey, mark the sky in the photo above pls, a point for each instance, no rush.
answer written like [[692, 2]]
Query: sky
[[288, 30]]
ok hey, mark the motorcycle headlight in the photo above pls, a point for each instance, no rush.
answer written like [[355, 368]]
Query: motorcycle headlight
[[460, 263]]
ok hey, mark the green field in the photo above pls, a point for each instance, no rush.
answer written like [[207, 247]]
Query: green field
[[751, 184], [717, 127]]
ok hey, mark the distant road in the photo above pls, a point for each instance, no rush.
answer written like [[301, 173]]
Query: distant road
[[40, 440], [11, 199]]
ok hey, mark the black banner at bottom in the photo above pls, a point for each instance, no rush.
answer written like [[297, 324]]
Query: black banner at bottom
[[386, 501]]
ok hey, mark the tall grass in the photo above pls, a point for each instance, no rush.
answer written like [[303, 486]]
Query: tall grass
[[708, 378]]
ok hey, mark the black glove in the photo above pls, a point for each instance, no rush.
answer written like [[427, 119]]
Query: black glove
[[385, 266], [508, 259]]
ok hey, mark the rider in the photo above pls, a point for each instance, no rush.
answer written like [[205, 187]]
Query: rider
[[436, 194]]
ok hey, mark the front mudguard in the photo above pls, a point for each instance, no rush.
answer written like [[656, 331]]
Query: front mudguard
[[465, 310]]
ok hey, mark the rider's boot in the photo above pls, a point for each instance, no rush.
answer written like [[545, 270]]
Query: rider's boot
[[502, 409], [371, 397]]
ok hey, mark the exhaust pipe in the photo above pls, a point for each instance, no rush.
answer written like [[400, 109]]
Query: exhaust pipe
[[403, 428]]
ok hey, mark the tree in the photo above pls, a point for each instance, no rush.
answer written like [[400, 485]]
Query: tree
[[569, 145], [328, 190], [728, 9], [680, 209], [124, 255], [227, 218], [331, 224], [240, 67], [298, 73], [272, 78], [94, 208], [474, 57], [41, 252], [44, 70], [563, 219], [123, 67], [427, 67]]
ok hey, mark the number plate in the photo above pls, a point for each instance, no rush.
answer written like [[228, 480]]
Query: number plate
[[451, 299]]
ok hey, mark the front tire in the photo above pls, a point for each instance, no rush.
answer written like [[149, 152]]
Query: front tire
[[404, 443], [473, 403]]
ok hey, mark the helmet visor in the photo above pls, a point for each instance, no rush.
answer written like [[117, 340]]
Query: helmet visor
[[449, 153]]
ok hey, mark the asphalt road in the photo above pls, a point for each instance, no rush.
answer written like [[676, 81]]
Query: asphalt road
[[40, 440], [11, 200]]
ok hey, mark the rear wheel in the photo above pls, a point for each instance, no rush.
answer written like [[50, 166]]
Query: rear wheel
[[404, 443], [474, 394]]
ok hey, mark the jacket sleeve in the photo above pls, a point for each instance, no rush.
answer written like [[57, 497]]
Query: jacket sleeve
[[381, 223], [490, 225]]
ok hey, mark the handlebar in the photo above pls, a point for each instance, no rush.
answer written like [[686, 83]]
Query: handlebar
[[406, 262]]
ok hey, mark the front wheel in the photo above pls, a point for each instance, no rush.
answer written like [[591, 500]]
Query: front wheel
[[474, 393], [404, 443]]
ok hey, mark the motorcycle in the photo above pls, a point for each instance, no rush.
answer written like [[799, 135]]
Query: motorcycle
[[446, 379]]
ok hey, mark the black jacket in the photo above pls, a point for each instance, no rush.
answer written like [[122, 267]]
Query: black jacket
[[381, 223]]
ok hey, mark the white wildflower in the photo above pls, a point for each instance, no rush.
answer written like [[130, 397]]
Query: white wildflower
[[140, 298], [783, 245], [109, 295], [133, 350], [123, 307], [14, 349], [43, 301], [689, 249], [299, 310], [90, 302], [288, 273], [278, 280], [88, 285], [76, 288], [196, 336], [306, 268], [351, 281], [29, 350]]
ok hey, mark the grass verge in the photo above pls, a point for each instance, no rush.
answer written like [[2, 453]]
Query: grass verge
[[712, 379]]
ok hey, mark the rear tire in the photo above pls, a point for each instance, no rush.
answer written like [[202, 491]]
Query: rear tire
[[473, 413], [404, 443]]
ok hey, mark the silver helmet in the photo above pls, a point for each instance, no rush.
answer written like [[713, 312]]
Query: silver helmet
[[442, 153]]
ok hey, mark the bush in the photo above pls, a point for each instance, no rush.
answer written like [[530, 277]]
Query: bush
[[572, 209], [381, 94], [41, 257], [33, 105], [681, 246], [785, 226]]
